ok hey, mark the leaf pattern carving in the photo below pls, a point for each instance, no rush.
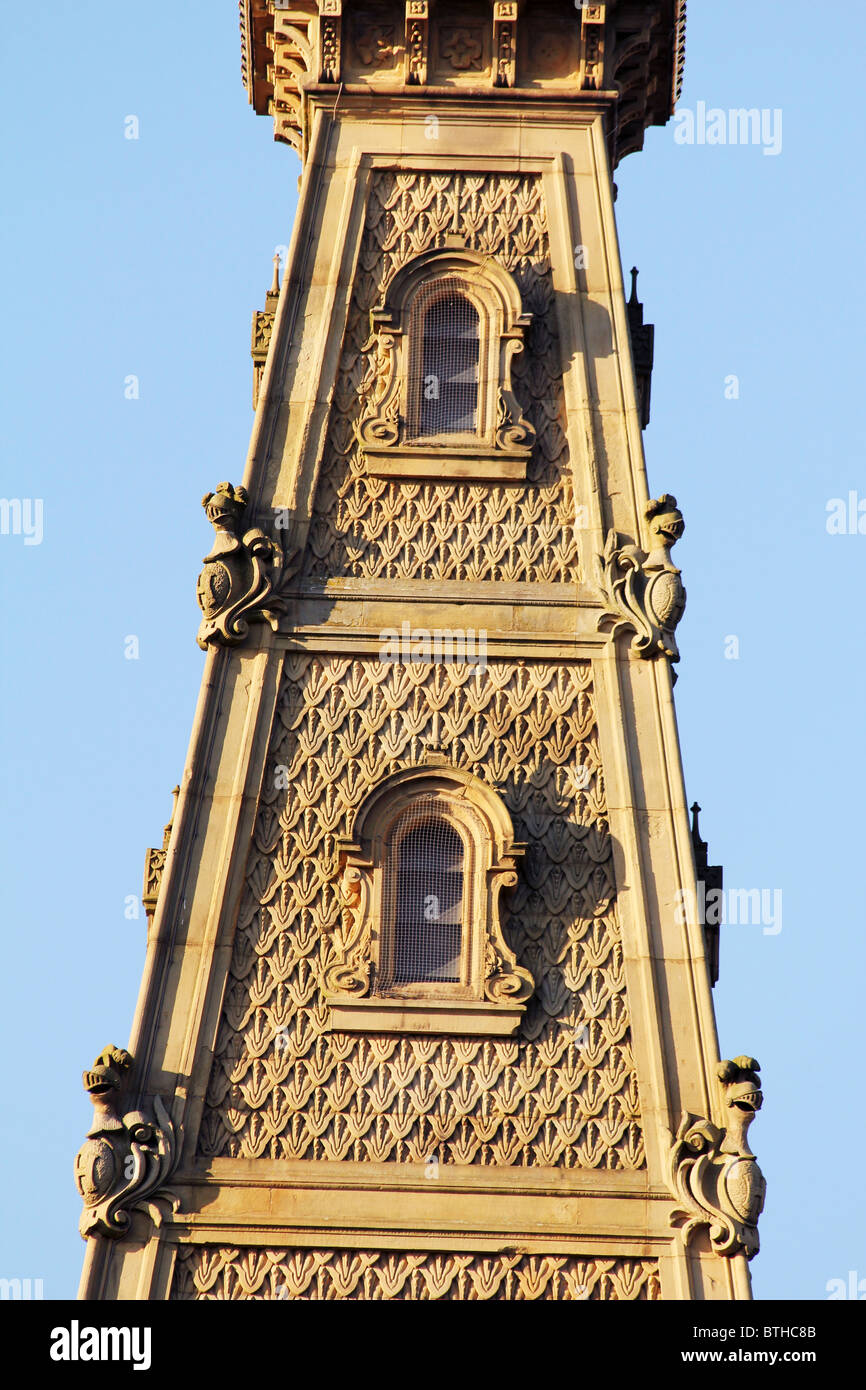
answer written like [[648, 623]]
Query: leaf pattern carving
[[563, 1091], [209, 1272], [375, 528]]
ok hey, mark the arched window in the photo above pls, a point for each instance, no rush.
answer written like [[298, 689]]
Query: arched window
[[415, 938], [438, 392], [445, 384], [426, 884]]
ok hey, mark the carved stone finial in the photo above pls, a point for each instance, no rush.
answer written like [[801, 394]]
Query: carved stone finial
[[126, 1160], [643, 588], [642, 337], [238, 584], [713, 1172]]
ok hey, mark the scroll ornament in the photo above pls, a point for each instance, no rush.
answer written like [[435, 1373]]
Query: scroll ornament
[[713, 1173], [349, 971], [504, 980], [643, 588], [242, 576], [126, 1160]]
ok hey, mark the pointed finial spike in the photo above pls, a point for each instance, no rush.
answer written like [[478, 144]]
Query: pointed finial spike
[[696, 810], [634, 274], [275, 283]]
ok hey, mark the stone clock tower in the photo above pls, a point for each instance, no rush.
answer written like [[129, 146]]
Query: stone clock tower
[[426, 1011]]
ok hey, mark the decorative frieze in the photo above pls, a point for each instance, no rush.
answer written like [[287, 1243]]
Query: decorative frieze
[[626, 53], [218, 1272]]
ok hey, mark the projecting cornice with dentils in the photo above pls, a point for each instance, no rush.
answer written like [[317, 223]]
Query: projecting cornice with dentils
[[627, 54]]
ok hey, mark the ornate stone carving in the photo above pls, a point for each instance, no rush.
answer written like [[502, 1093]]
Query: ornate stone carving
[[240, 581], [490, 974], [633, 64], [592, 23], [374, 527], [417, 41], [643, 588], [713, 1172], [374, 44], [283, 1083], [349, 972], [291, 61], [386, 431], [330, 37], [505, 42], [462, 47], [124, 1164], [211, 1272]]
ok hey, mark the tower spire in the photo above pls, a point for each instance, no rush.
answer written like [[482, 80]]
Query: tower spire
[[421, 1017]]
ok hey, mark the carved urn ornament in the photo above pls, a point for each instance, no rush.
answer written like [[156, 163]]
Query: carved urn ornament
[[124, 1161], [643, 588], [238, 584], [713, 1171]]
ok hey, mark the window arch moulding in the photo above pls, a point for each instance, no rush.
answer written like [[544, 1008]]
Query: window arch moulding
[[501, 444], [490, 993]]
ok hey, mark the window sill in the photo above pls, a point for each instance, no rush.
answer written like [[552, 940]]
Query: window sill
[[446, 461], [457, 1016]]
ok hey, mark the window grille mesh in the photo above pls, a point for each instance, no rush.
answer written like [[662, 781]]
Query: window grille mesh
[[444, 392], [423, 897]]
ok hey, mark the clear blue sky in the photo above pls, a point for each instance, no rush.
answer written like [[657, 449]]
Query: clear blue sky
[[147, 257]]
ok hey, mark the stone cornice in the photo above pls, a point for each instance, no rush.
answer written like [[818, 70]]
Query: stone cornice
[[628, 54]]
